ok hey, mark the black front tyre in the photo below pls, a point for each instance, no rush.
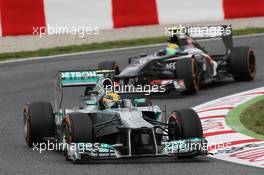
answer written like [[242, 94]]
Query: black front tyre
[[242, 64], [186, 69], [38, 122], [184, 124], [77, 128]]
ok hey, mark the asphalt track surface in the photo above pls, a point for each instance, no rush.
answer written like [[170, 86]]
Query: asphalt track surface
[[33, 80]]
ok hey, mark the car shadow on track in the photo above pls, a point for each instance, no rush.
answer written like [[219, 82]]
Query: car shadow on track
[[136, 160], [144, 160], [218, 84]]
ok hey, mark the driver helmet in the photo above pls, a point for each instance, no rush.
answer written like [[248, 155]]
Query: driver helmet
[[172, 49], [111, 100]]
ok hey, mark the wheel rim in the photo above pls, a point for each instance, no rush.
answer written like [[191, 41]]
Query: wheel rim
[[26, 126], [174, 128], [194, 75], [251, 64], [65, 139]]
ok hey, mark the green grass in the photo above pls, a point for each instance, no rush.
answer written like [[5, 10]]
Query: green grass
[[253, 117], [248, 31], [101, 46], [81, 48]]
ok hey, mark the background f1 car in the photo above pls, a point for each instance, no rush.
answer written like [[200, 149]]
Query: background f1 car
[[185, 72], [134, 129]]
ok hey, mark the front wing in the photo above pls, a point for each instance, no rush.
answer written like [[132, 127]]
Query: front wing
[[100, 151]]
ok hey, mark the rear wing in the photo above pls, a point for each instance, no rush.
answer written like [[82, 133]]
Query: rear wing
[[82, 77], [204, 32]]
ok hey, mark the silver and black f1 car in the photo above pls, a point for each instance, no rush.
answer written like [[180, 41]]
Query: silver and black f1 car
[[85, 130], [186, 70]]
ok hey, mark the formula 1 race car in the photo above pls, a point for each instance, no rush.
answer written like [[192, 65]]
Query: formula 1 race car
[[191, 66], [85, 129]]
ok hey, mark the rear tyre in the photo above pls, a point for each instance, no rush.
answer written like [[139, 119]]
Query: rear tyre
[[184, 124], [38, 122], [77, 128], [186, 69], [109, 65], [242, 64]]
